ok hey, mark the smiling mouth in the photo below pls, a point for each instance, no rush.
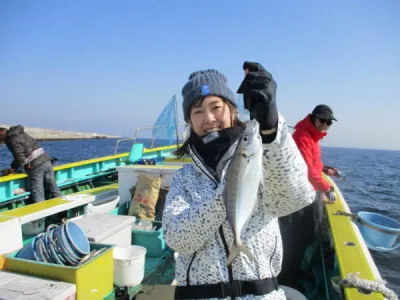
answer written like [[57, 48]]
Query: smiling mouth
[[212, 129]]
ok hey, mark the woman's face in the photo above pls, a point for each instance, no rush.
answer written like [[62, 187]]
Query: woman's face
[[211, 114]]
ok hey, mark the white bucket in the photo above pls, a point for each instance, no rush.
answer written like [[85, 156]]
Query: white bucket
[[292, 294], [129, 265]]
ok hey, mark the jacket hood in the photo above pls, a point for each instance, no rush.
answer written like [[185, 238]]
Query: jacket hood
[[307, 125], [15, 130]]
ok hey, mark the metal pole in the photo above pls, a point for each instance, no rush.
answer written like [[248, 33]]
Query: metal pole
[[176, 122]]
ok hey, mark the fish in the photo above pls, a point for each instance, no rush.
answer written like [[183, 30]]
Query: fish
[[244, 176]]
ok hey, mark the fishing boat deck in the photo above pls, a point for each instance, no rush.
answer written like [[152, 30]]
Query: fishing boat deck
[[352, 253], [43, 209], [157, 271]]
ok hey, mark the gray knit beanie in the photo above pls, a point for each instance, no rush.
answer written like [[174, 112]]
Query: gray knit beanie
[[205, 83]]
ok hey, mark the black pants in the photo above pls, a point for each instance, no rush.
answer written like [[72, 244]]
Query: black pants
[[41, 179], [298, 230]]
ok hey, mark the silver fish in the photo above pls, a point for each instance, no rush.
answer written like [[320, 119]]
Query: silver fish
[[244, 176]]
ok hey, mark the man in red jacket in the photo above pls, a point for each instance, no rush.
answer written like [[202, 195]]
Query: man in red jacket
[[307, 135], [300, 228]]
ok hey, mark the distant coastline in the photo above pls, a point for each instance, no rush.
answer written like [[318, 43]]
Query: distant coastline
[[360, 148], [45, 134], [55, 139]]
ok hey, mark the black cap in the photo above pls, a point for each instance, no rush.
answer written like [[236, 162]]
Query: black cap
[[324, 112]]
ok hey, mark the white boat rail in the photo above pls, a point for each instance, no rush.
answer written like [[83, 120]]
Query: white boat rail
[[180, 136]]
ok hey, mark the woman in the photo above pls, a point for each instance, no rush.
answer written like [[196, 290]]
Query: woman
[[195, 221]]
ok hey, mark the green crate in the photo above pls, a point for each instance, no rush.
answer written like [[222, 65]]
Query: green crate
[[153, 241]]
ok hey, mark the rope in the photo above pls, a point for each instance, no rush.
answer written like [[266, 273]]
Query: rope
[[353, 280], [323, 265]]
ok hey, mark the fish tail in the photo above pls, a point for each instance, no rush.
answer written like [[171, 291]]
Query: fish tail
[[236, 249]]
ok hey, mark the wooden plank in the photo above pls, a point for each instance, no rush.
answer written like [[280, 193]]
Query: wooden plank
[[46, 208], [16, 286], [99, 190], [175, 159], [152, 167], [35, 208], [12, 177]]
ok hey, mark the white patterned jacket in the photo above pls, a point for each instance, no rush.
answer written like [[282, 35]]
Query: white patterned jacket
[[195, 210]]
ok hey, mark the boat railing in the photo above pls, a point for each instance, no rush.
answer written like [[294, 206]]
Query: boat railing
[[180, 136]]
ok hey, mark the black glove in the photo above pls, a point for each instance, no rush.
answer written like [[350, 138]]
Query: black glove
[[259, 95], [331, 195], [332, 171]]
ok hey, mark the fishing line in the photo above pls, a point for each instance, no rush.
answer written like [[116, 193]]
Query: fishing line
[[358, 188]]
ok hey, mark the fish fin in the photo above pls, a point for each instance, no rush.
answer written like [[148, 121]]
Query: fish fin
[[262, 185], [262, 182], [234, 253]]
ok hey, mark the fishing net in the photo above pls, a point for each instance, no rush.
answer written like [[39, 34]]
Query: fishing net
[[164, 129], [243, 113]]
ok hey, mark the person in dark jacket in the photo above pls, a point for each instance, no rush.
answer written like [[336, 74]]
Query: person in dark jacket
[[300, 229], [37, 163]]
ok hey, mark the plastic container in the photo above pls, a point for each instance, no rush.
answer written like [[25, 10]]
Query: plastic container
[[68, 252], [292, 294], [379, 232], [71, 246], [93, 279], [77, 238], [129, 265], [104, 203], [153, 241], [28, 251]]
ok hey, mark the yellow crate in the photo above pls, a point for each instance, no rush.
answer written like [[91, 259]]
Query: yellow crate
[[93, 280], [3, 261]]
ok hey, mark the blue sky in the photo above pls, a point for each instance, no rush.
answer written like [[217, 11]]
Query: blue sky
[[111, 66]]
